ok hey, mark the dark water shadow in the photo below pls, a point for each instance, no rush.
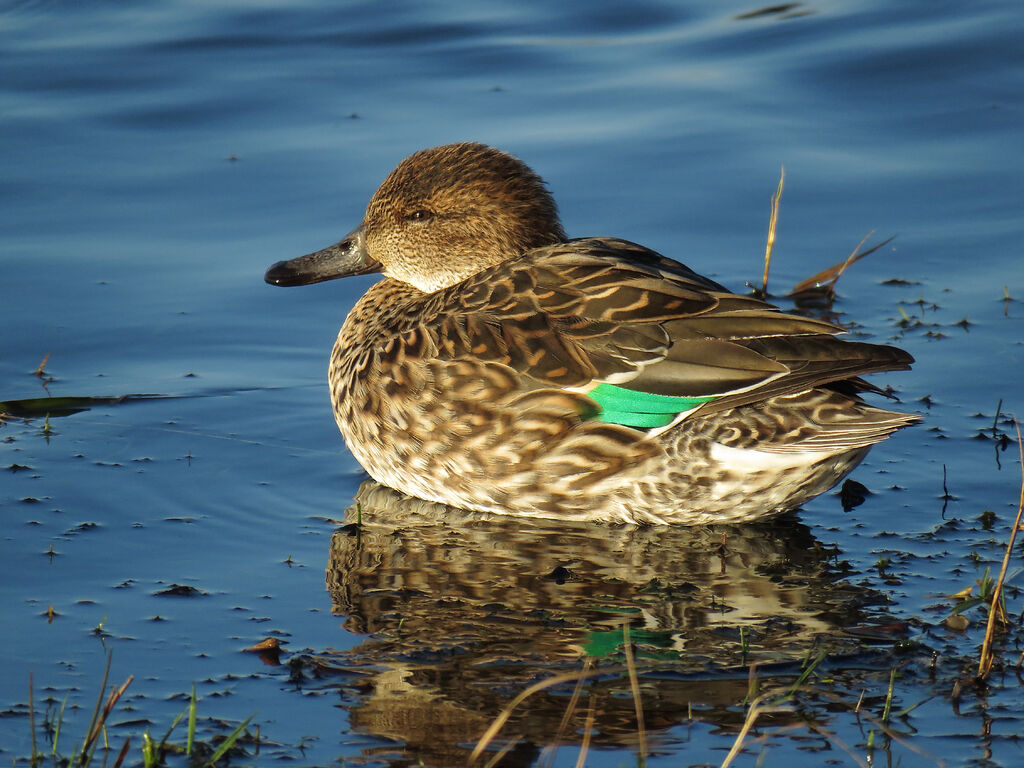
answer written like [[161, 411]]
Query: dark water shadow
[[39, 407], [461, 612], [33, 407]]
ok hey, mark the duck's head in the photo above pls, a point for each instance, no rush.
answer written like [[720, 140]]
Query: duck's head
[[442, 215]]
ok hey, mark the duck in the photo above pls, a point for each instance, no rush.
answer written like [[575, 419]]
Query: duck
[[504, 368]]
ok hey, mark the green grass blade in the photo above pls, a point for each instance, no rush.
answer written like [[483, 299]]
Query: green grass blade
[[229, 742], [888, 697], [191, 723], [56, 730], [148, 751], [32, 717], [174, 724], [912, 707], [806, 673]]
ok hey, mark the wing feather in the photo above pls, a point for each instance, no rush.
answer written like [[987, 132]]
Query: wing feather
[[597, 310]]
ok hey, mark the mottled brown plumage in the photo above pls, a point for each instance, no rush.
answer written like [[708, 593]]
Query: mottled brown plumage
[[499, 367]]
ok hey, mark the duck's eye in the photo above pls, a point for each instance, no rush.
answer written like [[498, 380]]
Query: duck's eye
[[419, 215]]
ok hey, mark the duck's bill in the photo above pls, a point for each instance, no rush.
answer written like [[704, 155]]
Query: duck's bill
[[343, 259]]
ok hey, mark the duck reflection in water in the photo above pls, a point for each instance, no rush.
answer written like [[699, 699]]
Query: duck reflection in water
[[461, 611]]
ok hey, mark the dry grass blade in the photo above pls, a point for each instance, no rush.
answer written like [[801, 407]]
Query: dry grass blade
[[773, 221], [827, 278], [634, 685], [99, 702], [748, 723], [502, 718], [752, 683], [41, 370], [115, 694], [759, 706], [123, 753], [892, 735], [987, 656]]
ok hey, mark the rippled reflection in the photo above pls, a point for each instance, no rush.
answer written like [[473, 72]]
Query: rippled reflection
[[462, 612]]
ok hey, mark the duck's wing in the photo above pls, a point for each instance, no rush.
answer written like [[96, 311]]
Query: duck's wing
[[644, 336]]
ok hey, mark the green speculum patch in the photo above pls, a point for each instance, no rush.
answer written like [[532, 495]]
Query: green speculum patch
[[640, 409]]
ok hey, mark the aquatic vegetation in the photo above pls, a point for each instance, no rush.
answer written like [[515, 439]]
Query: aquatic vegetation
[[96, 738], [993, 597]]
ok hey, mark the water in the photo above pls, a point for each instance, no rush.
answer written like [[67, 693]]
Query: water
[[157, 158]]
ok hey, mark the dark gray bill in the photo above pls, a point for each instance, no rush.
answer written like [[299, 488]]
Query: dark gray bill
[[343, 259]]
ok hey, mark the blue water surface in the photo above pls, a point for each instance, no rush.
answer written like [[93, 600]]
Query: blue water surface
[[157, 157]]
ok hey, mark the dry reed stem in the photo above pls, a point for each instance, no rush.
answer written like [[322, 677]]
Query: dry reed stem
[[837, 741], [987, 657], [548, 757], [634, 684], [588, 729], [752, 714], [860, 713], [854, 257], [502, 752], [773, 220], [831, 275], [498, 722]]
